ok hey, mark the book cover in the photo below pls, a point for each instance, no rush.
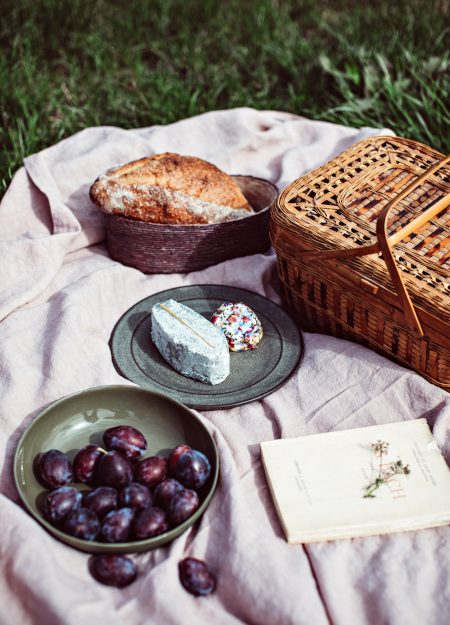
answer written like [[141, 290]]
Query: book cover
[[349, 483]]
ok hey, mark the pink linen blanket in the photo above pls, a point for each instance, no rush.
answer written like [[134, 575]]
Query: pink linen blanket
[[60, 296]]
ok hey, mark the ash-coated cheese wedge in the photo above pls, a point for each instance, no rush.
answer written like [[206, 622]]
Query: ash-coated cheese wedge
[[189, 342]]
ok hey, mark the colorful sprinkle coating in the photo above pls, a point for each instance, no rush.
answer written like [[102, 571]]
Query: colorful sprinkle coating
[[239, 324]]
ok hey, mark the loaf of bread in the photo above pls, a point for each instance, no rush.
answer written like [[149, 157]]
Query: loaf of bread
[[170, 189]]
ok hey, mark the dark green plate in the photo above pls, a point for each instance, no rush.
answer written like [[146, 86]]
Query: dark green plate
[[253, 374], [80, 419]]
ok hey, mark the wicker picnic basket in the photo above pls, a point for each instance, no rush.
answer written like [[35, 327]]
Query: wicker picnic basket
[[363, 248]]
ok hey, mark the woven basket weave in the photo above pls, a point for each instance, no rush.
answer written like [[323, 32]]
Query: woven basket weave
[[363, 248], [169, 248]]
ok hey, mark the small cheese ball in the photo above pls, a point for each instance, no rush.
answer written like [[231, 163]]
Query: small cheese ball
[[240, 326]]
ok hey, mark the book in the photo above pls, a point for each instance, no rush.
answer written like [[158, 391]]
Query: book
[[371, 480]]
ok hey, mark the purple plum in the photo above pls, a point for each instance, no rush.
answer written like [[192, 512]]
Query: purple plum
[[165, 491], [114, 470], [85, 463], [60, 502], [136, 496], [82, 523], [127, 440], [54, 468], [174, 456], [193, 469], [151, 471], [182, 506], [150, 522], [116, 525], [101, 500], [196, 577], [112, 569]]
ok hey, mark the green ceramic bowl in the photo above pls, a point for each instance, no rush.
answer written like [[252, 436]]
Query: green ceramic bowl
[[80, 419]]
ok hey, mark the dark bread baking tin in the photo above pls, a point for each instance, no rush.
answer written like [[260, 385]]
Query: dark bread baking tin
[[168, 248]]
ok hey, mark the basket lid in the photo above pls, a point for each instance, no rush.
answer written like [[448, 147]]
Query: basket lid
[[337, 206]]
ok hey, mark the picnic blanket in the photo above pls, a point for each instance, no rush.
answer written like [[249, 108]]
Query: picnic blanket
[[61, 295]]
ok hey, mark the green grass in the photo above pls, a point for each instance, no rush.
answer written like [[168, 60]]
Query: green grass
[[65, 65]]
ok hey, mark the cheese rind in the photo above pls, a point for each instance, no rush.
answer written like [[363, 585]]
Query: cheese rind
[[190, 343]]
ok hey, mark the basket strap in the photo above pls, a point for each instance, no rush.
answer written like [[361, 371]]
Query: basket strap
[[384, 242]]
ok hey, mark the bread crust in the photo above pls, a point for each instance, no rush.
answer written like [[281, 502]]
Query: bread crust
[[170, 188]]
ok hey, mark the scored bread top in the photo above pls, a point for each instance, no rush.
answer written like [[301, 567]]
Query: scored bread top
[[170, 188]]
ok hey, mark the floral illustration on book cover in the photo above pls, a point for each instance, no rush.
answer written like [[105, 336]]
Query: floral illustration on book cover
[[385, 474]]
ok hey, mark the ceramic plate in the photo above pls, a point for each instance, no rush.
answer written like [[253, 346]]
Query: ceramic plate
[[80, 419], [253, 374]]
